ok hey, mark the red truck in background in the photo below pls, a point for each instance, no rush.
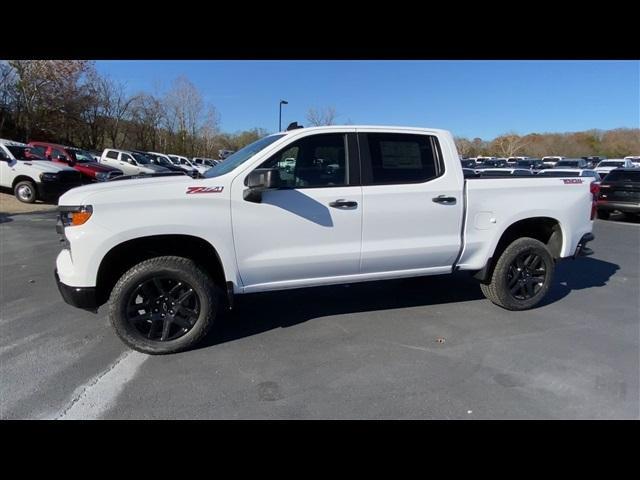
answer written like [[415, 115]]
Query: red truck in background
[[76, 158]]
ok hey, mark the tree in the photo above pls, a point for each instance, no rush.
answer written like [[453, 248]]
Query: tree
[[464, 146], [508, 145], [323, 116], [184, 106], [116, 108]]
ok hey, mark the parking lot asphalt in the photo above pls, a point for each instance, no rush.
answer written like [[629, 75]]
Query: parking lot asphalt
[[424, 348]]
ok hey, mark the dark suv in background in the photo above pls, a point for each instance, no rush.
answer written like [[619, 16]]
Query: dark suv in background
[[620, 191]]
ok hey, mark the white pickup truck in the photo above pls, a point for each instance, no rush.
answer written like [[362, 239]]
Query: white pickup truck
[[359, 203]]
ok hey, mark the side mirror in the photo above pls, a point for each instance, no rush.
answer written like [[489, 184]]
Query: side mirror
[[260, 180]]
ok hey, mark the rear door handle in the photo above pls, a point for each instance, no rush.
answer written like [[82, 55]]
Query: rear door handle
[[343, 204], [445, 200]]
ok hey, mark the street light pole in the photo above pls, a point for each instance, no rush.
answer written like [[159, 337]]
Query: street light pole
[[282, 102]]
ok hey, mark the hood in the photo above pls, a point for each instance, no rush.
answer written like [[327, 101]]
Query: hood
[[126, 188], [96, 167], [45, 166]]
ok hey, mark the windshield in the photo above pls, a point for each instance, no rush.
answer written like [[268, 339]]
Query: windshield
[[82, 156], [608, 163], [622, 176], [24, 153], [141, 159], [241, 156], [567, 163]]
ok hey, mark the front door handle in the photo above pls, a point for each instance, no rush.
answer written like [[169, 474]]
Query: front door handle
[[343, 204], [445, 200]]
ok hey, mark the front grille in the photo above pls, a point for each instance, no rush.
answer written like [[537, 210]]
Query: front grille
[[69, 177]]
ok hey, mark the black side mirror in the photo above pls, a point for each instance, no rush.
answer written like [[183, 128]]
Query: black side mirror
[[260, 180]]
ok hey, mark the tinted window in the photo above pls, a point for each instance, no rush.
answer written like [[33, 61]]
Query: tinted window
[[127, 158], [39, 151], [622, 176], [23, 153], [112, 154], [315, 161], [401, 158]]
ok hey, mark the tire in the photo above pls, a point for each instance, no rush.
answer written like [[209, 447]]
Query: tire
[[25, 191], [506, 276], [139, 327], [604, 214]]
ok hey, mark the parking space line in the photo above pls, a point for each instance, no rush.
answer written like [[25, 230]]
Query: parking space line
[[97, 396]]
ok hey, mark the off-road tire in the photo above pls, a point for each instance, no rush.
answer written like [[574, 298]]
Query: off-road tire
[[497, 289], [182, 269]]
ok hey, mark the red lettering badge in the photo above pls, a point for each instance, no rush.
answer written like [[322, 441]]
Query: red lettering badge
[[204, 189]]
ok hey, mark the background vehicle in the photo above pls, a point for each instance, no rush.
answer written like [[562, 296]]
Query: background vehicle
[[498, 163], [592, 161], [513, 160], [550, 161], [620, 191], [129, 162], [161, 161], [606, 166], [468, 163], [530, 163], [635, 159], [205, 162], [185, 162], [76, 158], [31, 177], [571, 163], [223, 154], [398, 206]]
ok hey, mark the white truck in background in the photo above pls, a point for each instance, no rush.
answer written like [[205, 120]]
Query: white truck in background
[[351, 204]]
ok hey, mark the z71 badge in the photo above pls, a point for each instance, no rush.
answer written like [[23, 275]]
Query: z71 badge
[[204, 189], [572, 180]]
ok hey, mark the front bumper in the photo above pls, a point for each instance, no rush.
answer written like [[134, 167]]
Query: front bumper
[[55, 189], [80, 297], [582, 250]]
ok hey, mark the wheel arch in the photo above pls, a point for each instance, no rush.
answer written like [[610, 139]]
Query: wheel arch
[[22, 178], [547, 230], [126, 254]]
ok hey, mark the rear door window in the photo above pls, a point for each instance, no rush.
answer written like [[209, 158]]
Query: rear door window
[[394, 158]]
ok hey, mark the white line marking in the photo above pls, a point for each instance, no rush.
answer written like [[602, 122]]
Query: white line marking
[[94, 398]]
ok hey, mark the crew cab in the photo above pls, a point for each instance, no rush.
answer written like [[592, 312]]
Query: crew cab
[[32, 177], [129, 162], [620, 191], [161, 161], [76, 158], [397, 205]]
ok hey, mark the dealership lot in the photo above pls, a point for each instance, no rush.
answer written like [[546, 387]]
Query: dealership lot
[[417, 348]]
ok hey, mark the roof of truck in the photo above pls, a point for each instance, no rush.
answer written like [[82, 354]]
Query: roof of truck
[[12, 143], [365, 127]]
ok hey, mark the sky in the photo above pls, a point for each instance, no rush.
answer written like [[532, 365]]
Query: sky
[[471, 98]]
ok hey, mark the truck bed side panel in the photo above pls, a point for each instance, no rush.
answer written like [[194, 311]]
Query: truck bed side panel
[[495, 204]]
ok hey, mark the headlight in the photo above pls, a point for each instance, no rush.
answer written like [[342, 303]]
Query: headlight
[[76, 215], [102, 176], [48, 177]]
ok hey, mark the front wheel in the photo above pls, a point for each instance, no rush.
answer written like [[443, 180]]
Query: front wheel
[[163, 305], [522, 276], [25, 191]]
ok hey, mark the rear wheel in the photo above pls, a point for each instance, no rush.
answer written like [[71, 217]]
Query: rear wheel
[[522, 275], [604, 214], [25, 191], [163, 305]]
